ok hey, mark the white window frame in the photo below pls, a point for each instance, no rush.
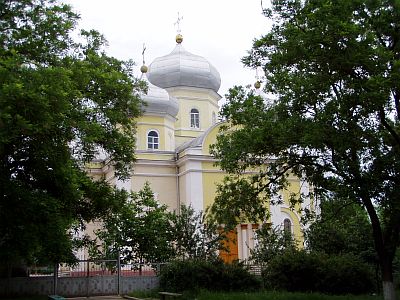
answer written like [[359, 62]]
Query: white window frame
[[154, 143], [194, 118]]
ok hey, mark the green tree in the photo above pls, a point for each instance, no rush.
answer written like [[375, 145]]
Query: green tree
[[193, 236], [342, 227], [271, 242], [333, 68], [62, 103], [140, 232]]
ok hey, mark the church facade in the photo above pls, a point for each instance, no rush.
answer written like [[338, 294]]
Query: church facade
[[174, 134]]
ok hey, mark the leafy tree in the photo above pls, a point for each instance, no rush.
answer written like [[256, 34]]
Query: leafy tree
[[271, 242], [140, 232], [194, 237], [333, 68], [342, 227], [62, 103]]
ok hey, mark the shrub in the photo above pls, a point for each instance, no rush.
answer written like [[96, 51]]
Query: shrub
[[194, 275], [316, 272], [292, 271]]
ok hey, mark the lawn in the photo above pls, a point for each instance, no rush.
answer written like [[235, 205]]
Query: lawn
[[204, 295], [279, 296]]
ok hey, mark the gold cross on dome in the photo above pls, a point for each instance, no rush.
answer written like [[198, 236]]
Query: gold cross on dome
[[177, 23], [144, 49]]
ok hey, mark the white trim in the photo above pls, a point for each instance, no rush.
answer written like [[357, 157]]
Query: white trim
[[189, 129], [153, 175], [194, 187], [162, 115], [155, 124]]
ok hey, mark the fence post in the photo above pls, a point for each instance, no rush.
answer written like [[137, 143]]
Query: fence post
[[87, 278], [119, 274], [55, 278]]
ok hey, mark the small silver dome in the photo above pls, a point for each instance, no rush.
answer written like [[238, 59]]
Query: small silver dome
[[182, 68], [159, 101]]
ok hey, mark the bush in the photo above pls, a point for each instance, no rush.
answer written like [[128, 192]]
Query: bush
[[195, 275], [299, 271]]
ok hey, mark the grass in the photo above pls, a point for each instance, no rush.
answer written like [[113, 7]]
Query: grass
[[205, 295]]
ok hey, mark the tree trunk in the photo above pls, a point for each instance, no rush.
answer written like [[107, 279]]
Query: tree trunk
[[388, 290]]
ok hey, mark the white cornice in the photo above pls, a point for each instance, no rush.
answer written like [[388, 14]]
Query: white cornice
[[162, 115], [155, 124]]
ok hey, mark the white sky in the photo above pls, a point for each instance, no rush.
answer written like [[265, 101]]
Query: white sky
[[221, 31]]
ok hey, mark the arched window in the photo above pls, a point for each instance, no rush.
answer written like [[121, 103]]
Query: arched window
[[194, 118], [213, 118], [287, 226], [152, 140]]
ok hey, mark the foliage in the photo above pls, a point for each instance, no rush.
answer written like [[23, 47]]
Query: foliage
[[140, 232], [342, 227], [194, 275], [332, 68], [62, 103], [271, 242], [317, 272], [143, 231], [193, 237]]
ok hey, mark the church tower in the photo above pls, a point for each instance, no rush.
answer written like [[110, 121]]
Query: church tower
[[194, 82], [174, 135]]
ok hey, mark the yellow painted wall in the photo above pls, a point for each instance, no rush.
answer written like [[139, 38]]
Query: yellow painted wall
[[202, 100], [211, 176], [162, 181], [163, 125]]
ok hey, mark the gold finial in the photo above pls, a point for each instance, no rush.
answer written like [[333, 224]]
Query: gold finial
[[179, 37], [143, 68], [257, 84]]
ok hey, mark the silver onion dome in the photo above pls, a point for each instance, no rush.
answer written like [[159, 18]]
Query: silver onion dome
[[182, 68], [159, 101]]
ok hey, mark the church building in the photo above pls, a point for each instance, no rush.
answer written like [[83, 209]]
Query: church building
[[174, 134]]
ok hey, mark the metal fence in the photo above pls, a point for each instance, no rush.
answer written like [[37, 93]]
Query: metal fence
[[86, 268], [88, 278], [91, 277]]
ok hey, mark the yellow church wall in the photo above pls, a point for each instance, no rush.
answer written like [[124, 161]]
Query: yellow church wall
[[155, 155], [202, 100], [162, 180], [296, 226], [205, 109], [292, 189], [163, 125], [211, 177]]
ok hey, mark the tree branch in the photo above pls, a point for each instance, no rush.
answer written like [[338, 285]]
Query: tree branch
[[386, 125]]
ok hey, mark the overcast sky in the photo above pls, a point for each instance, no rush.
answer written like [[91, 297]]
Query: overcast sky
[[222, 31]]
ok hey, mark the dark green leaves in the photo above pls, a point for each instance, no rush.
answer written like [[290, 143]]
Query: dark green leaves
[[332, 70], [62, 104]]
